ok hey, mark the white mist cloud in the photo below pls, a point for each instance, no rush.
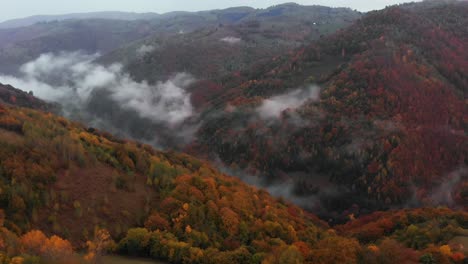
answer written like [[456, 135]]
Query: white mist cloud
[[40, 89], [443, 195], [44, 75], [231, 40], [71, 78], [145, 49], [274, 106], [166, 101]]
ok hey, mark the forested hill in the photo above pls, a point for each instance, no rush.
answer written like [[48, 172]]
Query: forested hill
[[387, 128], [107, 32], [63, 185], [12, 96], [72, 181], [241, 37], [359, 139]]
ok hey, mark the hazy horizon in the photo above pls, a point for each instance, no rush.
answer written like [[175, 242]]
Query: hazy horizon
[[24, 8]]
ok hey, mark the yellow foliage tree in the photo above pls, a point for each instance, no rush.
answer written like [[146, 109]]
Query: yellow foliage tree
[[445, 250], [33, 242], [102, 242], [230, 220], [57, 248]]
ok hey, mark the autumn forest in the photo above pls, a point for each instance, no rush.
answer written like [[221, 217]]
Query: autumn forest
[[286, 135]]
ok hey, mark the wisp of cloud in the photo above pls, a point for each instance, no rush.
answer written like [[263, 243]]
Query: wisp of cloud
[[72, 78], [273, 107], [231, 40], [145, 49]]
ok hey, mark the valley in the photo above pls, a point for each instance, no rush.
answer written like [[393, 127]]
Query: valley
[[289, 134]]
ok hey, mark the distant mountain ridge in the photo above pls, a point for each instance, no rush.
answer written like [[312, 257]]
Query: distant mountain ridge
[[233, 14], [108, 31], [115, 15], [120, 15], [256, 34]]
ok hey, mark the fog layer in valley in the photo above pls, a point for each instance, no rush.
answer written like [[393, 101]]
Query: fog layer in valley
[[79, 85]]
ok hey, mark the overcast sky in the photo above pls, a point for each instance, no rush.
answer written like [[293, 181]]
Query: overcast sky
[[22, 8]]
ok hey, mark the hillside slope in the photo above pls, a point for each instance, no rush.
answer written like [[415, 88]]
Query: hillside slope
[[9, 95], [105, 32], [20, 45], [241, 37], [85, 185], [61, 178], [388, 128]]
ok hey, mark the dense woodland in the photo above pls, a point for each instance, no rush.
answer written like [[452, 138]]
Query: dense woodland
[[390, 125], [173, 207], [378, 160]]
